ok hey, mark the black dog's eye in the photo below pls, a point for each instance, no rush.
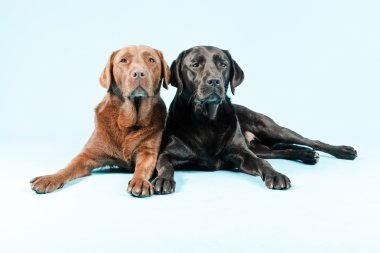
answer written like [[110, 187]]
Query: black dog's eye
[[195, 65], [152, 60], [123, 60], [223, 65]]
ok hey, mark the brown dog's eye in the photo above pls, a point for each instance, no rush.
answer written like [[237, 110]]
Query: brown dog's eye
[[152, 60], [123, 60], [195, 65]]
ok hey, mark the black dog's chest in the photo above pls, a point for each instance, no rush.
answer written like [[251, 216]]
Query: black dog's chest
[[207, 144]]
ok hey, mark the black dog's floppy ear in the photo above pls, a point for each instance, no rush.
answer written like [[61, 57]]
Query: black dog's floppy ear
[[176, 73], [236, 73], [106, 78]]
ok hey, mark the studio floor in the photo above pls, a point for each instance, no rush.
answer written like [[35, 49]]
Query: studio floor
[[332, 207], [312, 66]]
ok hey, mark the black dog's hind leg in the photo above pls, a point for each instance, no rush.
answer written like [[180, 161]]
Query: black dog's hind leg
[[289, 152], [269, 132], [283, 146]]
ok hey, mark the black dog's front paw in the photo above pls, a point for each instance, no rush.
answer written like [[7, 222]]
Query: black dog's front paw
[[277, 181], [345, 152], [163, 185]]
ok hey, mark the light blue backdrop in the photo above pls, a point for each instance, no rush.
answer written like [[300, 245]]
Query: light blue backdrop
[[311, 65]]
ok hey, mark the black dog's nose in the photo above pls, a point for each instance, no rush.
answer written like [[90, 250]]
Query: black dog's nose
[[138, 74], [213, 82]]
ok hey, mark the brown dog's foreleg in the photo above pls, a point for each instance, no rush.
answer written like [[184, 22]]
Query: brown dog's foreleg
[[139, 186], [80, 166]]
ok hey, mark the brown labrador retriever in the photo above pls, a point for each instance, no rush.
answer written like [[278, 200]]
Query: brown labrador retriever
[[129, 122]]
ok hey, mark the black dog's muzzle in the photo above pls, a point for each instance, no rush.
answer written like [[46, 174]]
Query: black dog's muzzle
[[211, 104], [213, 99]]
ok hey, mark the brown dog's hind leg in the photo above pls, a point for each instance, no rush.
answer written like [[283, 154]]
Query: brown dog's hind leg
[[80, 166]]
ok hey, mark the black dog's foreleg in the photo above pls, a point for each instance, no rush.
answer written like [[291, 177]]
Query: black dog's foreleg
[[164, 182], [249, 163], [269, 132]]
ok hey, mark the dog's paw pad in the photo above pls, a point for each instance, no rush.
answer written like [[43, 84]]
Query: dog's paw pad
[[345, 152], [46, 184], [163, 185], [309, 157], [140, 187], [277, 181]]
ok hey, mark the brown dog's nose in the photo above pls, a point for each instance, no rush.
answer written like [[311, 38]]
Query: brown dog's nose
[[213, 82], [138, 74]]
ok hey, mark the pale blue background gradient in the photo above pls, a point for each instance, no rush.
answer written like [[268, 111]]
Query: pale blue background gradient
[[312, 66]]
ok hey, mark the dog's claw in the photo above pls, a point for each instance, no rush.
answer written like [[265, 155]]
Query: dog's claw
[[345, 152], [309, 157], [46, 184], [140, 187], [163, 185], [277, 181]]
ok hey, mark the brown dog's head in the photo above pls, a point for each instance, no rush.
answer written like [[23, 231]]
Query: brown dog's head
[[202, 74], [135, 72]]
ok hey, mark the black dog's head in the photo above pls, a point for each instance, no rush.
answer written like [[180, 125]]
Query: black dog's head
[[202, 75]]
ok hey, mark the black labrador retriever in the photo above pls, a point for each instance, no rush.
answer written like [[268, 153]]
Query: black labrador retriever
[[205, 130]]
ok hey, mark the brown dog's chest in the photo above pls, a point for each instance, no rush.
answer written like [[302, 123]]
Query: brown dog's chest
[[124, 131]]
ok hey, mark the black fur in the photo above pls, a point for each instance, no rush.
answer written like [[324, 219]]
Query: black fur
[[205, 131]]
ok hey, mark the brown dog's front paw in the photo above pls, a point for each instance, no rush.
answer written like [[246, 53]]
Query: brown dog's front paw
[[163, 185], [277, 181], [46, 184], [140, 187]]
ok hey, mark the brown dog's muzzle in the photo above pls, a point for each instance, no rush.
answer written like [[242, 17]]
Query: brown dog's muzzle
[[138, 92], [139, 83], [138, 78]]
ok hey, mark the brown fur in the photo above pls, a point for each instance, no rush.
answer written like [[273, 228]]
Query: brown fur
[[126, 135]]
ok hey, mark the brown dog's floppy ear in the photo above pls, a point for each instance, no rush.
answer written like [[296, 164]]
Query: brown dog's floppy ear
[[176, 74], [236, 73], [165, 70], [106, 78]]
